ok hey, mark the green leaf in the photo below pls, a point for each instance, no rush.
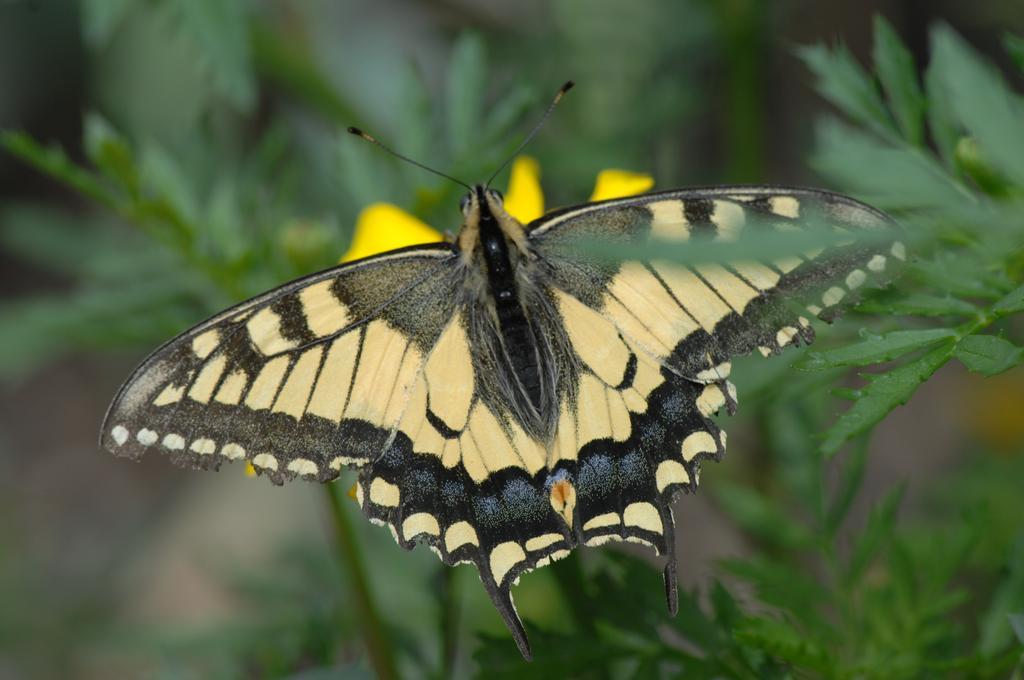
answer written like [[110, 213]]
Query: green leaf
[[1017, 623], [885, 176], [779, 639], [167, 182], [223, 220], [850, 481], [100, 18], [72, 244], [110, 152], [777, 585], [41, 328], [960, 274], [220, 32], [981, 101], [415, 112], [727, 611], [693, 624], [879, 529], [917, 304], [898, 75], [291, 68], [971, 160], [54, 162], [884, 393], [757, 515], [876, 348], [1014, 45], [467, 85], [842, 81], [941, 121], [554, 655], [988, 354], [513, 105], [1012, 302], [997, 623]]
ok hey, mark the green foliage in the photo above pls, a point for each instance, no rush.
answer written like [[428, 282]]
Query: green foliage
[[1015, 46], [883, 393], [877, 348], [963, 211], [831, 582], [898, 75], [988, 354], [215, 33]]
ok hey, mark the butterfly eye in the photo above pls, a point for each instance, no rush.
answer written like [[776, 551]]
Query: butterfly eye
[[464, 203], [496, 195]]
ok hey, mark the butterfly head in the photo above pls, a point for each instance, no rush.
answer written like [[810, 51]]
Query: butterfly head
[[481, 197], [483, 212]]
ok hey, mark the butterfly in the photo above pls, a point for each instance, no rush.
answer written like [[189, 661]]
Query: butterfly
[[507, 396]]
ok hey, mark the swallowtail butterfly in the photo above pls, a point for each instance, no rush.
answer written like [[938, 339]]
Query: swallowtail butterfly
[[505, 397]]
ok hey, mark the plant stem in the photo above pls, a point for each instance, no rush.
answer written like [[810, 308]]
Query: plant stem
[[741, 26], [377, 643]]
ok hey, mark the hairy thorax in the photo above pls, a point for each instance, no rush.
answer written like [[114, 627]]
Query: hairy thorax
[[516, 342]]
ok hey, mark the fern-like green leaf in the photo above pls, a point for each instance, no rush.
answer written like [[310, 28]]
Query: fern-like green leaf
[[878, 531], [981, 101], [778, 638], [876, 348], [842, 81], [100, 18], [884, 393], [920, 304], [219, 31], [988, 354], [1013, 302], [54, 161], [884, 175], [467, 85], [1014, 44], [898, 75], [760, 517]]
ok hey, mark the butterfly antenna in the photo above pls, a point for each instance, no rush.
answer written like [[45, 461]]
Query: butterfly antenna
[[536, 128], [359, 133]]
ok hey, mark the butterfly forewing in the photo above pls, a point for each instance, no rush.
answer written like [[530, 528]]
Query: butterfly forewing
[[654, 339], [693, 318], [300, 381]]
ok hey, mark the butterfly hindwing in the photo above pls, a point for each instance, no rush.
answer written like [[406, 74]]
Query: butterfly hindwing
[[300, 381], [462, 475]]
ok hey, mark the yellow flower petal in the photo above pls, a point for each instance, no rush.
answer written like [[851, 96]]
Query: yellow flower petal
[[250, 471], [619, 184], [524, 199], [381, 227]]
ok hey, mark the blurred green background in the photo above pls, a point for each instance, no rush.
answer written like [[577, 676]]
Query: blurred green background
[[165, 158]]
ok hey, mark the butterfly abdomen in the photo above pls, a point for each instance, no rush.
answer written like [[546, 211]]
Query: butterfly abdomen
[[518, 341], [516, 335]]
